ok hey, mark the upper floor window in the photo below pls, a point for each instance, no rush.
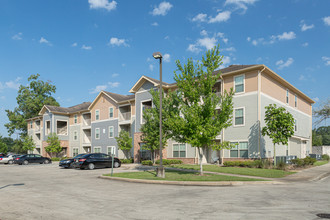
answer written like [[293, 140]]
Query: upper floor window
[[75, 119], [295, 125], [111, 112], [31, 124], [75, 135], [111, 132], [97, 133], [239, 116], [145, 105], [295, 101], [97, 114], [239, 83], [287, 96]]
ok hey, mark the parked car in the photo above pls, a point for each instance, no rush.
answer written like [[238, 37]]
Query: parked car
[[68, 163], [32, 158], [96, 160], [7, 160]]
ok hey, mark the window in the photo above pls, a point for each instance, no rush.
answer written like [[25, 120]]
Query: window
[[295, 101], [295, 125], [239, 116], [97, 133], [111, 112], [75, 119], [145, 105], [62, 127], [75, 152], [97, 114], [179, 150], [97, 150], [31, 124], [111, 132], [287, 96], [239, 83], [111, 150], [75, 135], [47, 127], [240, 150]]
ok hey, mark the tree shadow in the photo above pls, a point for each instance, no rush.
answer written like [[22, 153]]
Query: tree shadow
[[253, 142]]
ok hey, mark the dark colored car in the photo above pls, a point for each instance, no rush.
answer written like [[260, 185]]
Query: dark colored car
[[96, 160], [68, 163], [32, 158]]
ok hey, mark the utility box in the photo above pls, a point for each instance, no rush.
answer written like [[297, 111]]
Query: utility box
[[316, 156], [285, 159]]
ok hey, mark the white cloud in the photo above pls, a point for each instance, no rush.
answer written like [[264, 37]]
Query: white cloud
[[305, 44], [304, 26], [273, 38], [200, 18], [221, 17], [12, 84], [166, 37], [97, 4], [151, 67], [74, 44], [193, 48], [118, 42], [17, 36], [162, 9], [225, 61], [326, 60], [98, 89], [167, 57], [44, 41], [115, 75], [155, 24], [281, 64], [326, 20], [113, 84], [316, 99], [302, 78], [241, 4], [203, 33], [248, 39], [255, 42], [230, 49], [287, 36], [84, 47], [207, 42]]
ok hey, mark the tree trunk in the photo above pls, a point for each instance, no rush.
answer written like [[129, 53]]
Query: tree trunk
[[200, 151], [274, 156]]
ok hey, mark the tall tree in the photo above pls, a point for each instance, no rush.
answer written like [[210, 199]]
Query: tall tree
[[203, 113], [150, 129], [54, 144], [9, 142], [279, 125], [30, 100], [124, 142], [28, 144], [3, 146], [322, 113]]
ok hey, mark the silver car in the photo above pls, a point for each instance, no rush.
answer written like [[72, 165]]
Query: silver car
[[7, 160]]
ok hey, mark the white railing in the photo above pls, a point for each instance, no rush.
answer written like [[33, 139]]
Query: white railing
[[125, 116]]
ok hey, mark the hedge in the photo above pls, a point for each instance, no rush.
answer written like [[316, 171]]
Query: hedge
[[169, 162], [127, 160]]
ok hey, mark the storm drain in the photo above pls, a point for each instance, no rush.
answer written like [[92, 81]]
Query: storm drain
[[323, 215]]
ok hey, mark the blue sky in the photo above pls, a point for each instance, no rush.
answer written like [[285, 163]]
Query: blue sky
[[84, 46]]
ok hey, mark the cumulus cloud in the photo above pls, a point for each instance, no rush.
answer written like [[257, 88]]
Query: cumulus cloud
[[220, 17], [287, 36], [281, 64], [240, 4], [84, 47], [105, 4], [74, 44], [203, 33], [12, 84], [248, 39], [17, 36], [154, 24], [302, 78], [167, 57], [326, 60], [305, 44], [118, 42], [44, 41], [151, 67], [113, 84], [326, 20], [200, 18], [208, 42], [304, 26], [225, 61], [273, 38], [162, 9], [115, 75], [98, 89], [193, 48]]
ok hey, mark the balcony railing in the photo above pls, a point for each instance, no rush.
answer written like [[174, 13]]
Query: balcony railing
[[126, 116]]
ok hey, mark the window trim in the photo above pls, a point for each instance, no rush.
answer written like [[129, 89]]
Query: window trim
[[73, 151], [114, 150], [238, 150], [75, 119], [141, 117], [97, 147], [242, 125], [67, 127], [113, 131], [287, 100], [75, 135], [243, 84], [295, 125], [179, 149], [113, 113], [295, 101], [96, 133], [97, 110], [50, 127]]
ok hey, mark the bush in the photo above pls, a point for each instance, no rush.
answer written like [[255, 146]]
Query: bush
[[247, 163], [281, 165], [59, 158], [303, 162], [127, 160], [169, 162], [147, 162], [325, 157]]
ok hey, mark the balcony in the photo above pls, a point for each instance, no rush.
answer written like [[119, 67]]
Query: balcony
[[86, 138], [124, 114], [86, 121]]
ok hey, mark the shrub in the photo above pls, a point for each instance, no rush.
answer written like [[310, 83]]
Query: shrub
[[303, 162], [127, 160], [147, 162], [309, 161], [169, 162], [281, 165], [247, 163], [59, 158], [325, 157]]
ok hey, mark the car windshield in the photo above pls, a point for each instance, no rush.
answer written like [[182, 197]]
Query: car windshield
[[79, 155]]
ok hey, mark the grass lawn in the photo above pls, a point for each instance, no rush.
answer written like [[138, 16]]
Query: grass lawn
[[320, 162], [172, 175], [268, 173]]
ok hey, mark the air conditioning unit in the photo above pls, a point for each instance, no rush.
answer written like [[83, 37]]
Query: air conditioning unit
[[285, 159]]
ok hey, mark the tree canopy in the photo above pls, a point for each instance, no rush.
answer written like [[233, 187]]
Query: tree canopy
[[321, 136], [54, 144], [322, 113], [124, 142]]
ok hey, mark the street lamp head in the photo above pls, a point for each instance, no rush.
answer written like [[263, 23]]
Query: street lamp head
[[157, 55]]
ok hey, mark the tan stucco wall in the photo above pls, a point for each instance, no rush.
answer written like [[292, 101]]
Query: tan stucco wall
[[103, 103], [251, 81]]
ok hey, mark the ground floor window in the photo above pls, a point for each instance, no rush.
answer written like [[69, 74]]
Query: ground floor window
[[97, 149], [111, 150], [179, 150], [75, 152], [240, 150]]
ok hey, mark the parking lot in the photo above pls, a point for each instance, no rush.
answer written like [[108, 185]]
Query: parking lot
[[45, 191]]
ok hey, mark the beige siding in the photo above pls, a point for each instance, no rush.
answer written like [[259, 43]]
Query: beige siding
[[72, 119], [103, 103], [251, 81]]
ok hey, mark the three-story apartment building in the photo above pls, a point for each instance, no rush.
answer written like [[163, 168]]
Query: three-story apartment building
[[94, 127]]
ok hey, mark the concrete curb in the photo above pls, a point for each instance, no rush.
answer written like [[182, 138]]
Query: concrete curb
[[193, 183], [320, 177]]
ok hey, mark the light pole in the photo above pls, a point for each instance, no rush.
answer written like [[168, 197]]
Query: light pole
[[160, 169]]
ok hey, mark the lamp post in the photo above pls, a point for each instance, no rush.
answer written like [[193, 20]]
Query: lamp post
[[160, 169]]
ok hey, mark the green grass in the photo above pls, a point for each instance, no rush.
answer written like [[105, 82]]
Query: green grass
[[268, 173], [171, 175], [320, 162]]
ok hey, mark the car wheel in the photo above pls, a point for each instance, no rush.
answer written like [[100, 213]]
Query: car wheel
[[46, 162], [91, 166], [25, 162], [116, 164], [10, 162]]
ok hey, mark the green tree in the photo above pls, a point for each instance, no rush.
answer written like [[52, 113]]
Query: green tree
[[9, 142], [203, 113], [18, 147], [150, 129], [321, 136], [30, 100], [124, 142], [3, 146], [28, 144], [322, 113], [316, 139], [54, 144], [279, 125]]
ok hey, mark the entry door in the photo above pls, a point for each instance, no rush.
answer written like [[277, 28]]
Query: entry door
[[303, 149]]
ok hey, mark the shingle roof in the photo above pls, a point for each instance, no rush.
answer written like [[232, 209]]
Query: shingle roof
[[118, 97], [232, 68], [76, 108]]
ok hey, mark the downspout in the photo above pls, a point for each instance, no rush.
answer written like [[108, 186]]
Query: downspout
[[259, 111], [223, 130]]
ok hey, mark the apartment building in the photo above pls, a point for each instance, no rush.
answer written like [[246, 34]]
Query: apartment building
[[255, 86]]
